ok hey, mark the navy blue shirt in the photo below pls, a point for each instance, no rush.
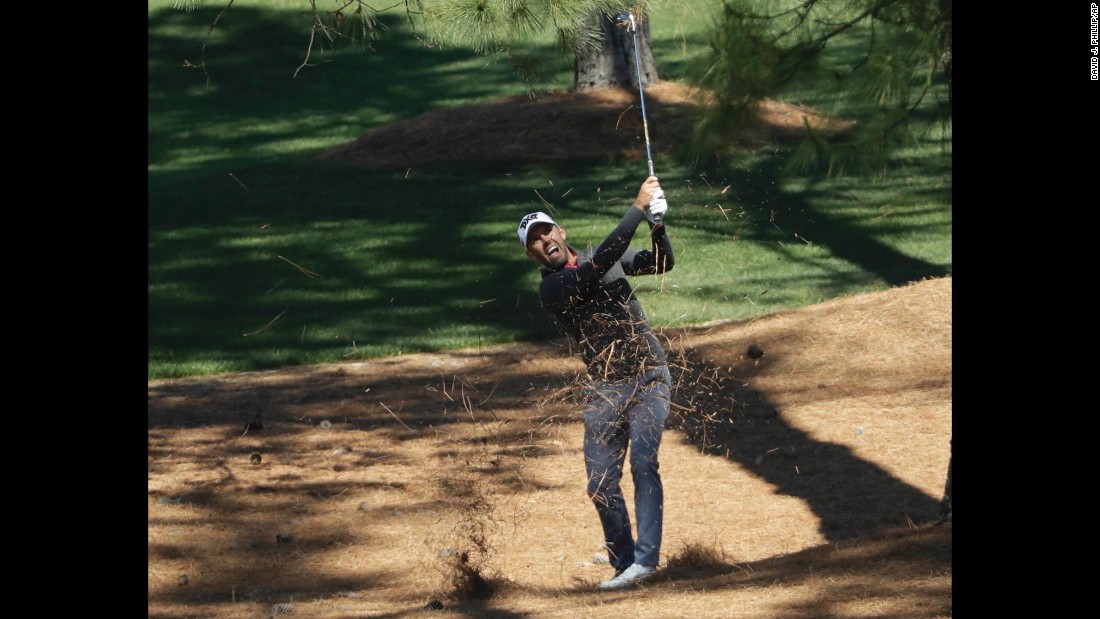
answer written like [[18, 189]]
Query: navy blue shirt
[[596, 305]]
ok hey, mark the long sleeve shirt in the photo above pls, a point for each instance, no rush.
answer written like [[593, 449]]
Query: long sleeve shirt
[[596, 306]]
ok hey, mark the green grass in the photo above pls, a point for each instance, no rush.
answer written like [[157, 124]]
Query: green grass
[[260, 257]]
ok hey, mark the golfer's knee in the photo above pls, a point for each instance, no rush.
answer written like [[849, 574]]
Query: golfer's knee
[[601, 488], [645, 464], [597, 488], [602, 499]]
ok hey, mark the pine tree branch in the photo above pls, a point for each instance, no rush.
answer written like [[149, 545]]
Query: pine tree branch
[[205, 40]]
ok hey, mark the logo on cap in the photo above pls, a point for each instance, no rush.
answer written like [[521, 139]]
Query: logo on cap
[[535, 217], [526, 220]]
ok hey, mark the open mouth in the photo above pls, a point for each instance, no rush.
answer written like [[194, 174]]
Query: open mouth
[[552, 250]]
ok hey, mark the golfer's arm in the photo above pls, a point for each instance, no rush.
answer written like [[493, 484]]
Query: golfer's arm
[[647, 262], [664, 257], [617, 242]]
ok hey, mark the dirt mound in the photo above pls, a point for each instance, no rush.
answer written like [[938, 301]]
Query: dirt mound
[[590, 125]]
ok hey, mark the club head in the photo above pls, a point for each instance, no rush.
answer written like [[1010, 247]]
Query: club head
[[625, 19]]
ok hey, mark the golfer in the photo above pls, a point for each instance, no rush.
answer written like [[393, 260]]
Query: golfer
[[627, 398]]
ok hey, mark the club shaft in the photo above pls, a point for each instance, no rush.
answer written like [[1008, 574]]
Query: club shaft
[[641, 97]]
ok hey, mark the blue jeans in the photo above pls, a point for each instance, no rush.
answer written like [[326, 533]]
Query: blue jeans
[[619, 414]]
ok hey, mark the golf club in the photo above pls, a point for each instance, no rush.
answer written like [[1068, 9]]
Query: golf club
[[624, 18]]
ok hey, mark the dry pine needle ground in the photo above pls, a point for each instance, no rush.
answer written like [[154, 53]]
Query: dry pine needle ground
[[800, 483]]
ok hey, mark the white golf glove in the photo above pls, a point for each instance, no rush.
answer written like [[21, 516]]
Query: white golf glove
[[658, 206]]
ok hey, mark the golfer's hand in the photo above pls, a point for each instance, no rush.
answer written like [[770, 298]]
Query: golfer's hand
[[646, 193], [658, 206], [651, 200]]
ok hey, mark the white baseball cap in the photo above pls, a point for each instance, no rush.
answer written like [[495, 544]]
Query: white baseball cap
[[526, 222]]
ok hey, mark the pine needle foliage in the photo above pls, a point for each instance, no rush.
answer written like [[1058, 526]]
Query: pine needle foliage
[[881, 63], [505, 27]]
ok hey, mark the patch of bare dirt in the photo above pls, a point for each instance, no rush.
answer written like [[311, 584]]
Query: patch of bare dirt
[[589, 125], [803, 482]]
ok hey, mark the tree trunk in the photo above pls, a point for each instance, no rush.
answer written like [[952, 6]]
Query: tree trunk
[[613, 65]]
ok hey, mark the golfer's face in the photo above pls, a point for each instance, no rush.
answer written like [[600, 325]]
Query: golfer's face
[[546, 244]]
